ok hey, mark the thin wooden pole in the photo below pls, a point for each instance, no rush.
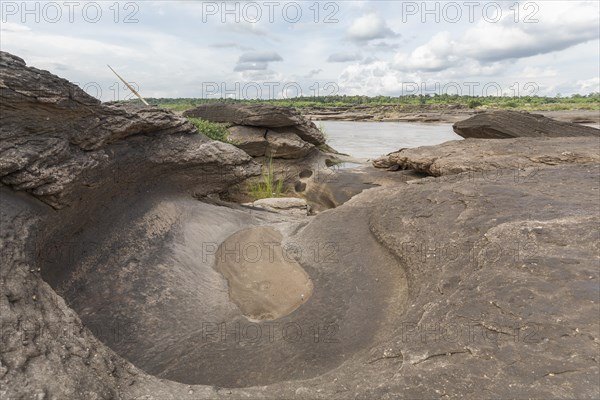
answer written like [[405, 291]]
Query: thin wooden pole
[[129, 86]]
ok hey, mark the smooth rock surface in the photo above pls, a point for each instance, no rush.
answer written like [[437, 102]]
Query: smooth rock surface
[[513, 124]]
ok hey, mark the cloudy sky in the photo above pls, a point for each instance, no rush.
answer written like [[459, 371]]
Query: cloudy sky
[[276, 48]]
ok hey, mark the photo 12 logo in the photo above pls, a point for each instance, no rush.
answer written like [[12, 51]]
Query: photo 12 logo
[[53, 12], [470, 332], [115, 91], [265, 252], [473, 89], [270, 11], [266, 90], [471, 11]]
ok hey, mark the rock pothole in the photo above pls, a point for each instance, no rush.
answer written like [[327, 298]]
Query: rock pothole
[[265, 282], [223, 297]]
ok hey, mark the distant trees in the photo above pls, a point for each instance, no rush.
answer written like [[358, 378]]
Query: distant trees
[[590, 101]]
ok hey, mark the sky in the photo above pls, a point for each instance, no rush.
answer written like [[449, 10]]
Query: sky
[[278, 49]]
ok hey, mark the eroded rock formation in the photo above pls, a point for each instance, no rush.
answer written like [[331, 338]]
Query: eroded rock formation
[[264, 130], [513, 124], [58, 142], [97, 164], [494, 155], [456, 287], [287, 144]]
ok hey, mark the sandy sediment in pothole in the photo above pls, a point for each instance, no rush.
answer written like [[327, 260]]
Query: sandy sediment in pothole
[[265, 282]]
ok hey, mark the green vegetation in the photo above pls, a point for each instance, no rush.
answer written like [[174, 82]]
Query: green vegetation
[[267, 186], [474, 103], [527, 103], [213, 130]]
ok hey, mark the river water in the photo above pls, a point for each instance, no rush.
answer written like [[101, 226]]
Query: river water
[[369, 140]]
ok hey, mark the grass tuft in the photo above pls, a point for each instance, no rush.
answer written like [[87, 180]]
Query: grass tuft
[[267, 186], [213, 130]]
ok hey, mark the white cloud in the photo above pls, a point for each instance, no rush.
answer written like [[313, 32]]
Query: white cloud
[[170, 53], [505, 40], [485, 44], [24, 37], [589, 85], [435, 55], [377, 78], [369, 27], [560, 25]]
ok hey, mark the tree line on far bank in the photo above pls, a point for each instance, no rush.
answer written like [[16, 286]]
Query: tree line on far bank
[[530, 103]]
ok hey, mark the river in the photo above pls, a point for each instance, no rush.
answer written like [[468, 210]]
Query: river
[[369, 140]]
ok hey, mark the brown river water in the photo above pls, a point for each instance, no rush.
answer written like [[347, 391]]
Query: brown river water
[[369, 140]]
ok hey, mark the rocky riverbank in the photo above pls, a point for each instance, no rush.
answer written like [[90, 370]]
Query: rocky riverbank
[[429, 114], [125, 273]]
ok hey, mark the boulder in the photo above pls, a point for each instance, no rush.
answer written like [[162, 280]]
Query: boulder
[[57, 140], [65, 112], [286, 145], [263, 115], [260, 115], [494, 155], [513, 124], [384, 162], [277, 143], [249, 138]]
